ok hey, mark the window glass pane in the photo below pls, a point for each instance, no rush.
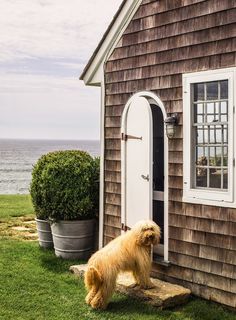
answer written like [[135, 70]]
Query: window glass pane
[[198, 113], [225, 157], [224, 118], [210, 108], [218, 133], [198, 91], [201, 156], [201, 177], [223, 107], [199, 135], [212, 135], [212, 156], [224, 89], [210, 118], [200, 118], [205, 134], [215, 178], [200, 108], [215, 134], [199, 153], [217, 105], [212, 111], [224, 111], [225, 134], [218, 156], [212, 90], [225, 179]]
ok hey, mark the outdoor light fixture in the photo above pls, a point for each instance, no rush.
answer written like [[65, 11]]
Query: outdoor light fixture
[[171, 123]]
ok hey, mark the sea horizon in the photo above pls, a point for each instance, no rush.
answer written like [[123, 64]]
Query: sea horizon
[[18, 156]]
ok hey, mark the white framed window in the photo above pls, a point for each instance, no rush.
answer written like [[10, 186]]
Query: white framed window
[[208, 137]]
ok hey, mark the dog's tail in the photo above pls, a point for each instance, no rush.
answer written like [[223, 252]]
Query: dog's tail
[[92, 277]]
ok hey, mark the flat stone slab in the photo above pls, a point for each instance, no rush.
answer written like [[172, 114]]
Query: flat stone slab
[[164, 295], [20, 228], [29, 222]]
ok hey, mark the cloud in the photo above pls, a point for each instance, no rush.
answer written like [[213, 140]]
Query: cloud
[[56, 29], [44, 46]]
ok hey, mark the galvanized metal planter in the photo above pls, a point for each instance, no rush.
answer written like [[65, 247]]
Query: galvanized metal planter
[[44, 233], [74, 239]]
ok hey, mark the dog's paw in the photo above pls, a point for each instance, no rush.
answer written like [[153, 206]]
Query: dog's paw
[[98, 305], [133, 285]]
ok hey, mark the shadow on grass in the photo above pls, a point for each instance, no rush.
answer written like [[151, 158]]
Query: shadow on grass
[[124, 307], [54, 264]]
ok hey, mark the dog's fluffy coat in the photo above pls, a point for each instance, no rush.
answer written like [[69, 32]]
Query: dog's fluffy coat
[[129, 252]]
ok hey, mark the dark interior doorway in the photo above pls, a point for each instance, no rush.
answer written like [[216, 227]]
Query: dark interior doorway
[[158, 173]]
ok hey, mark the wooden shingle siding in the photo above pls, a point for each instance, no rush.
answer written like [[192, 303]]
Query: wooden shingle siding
[[178, 67], [207, 225], [203, 251], [182, 27], [204, 265], [178, 54], [195, 236], [190, 39], [200, 9], [188, 278], [165, 39]]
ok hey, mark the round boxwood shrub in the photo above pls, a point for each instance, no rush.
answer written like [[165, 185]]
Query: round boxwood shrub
[[65, 186]]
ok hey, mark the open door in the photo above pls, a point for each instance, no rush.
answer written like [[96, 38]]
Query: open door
[[138, 137], [144, 154]]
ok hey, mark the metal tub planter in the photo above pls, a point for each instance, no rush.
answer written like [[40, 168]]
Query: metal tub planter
[[44, 233], [74, 239], [65, 190]]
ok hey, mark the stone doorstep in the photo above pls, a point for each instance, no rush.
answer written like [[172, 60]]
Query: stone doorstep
[[164, 295]]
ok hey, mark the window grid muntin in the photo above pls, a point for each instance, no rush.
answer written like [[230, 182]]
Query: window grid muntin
[[206, 127]]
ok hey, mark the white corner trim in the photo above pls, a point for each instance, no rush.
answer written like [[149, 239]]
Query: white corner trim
[[102, 145], [93, 75]]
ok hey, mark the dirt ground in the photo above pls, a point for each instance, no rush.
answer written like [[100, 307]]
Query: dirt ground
[[19, 228]]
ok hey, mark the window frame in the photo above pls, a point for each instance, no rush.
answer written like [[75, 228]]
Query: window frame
[[206, 195]]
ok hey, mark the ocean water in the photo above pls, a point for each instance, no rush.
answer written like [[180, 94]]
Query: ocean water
[[17, 158]]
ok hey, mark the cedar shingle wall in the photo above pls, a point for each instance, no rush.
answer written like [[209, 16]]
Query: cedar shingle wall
[[164, 40]]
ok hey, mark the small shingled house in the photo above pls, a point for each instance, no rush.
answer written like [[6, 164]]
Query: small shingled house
[[167, 72]]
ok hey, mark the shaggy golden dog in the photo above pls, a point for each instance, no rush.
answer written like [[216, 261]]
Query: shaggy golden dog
[[129, 252]]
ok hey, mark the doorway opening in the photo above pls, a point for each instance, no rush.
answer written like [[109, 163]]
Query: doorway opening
[[158, 176]]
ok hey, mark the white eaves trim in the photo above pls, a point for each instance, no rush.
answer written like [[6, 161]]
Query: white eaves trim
[[94, 74]]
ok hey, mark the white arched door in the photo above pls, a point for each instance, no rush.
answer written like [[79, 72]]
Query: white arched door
[[138, 137]]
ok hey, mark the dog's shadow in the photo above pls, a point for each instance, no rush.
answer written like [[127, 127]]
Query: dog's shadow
[[124, 305]]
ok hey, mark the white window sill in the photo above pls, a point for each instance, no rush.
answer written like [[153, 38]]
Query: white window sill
[[215, 203]]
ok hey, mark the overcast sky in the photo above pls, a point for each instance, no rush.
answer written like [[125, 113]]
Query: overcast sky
[[44, 45]]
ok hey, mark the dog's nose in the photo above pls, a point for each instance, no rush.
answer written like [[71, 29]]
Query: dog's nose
[[151, 236]]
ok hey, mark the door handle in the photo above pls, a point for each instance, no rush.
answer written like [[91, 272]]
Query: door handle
[[145, 177]]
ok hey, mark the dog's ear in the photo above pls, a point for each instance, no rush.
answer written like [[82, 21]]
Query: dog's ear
[[158, 234]]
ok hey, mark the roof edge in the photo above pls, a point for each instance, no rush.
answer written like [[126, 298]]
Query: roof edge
[[101, 53]]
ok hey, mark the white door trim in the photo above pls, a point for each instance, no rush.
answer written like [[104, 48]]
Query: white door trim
[[151, 97]]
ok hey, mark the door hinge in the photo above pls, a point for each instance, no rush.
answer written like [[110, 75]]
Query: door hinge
[[234, 162], [234, 109], [124, 227], [125, 137]]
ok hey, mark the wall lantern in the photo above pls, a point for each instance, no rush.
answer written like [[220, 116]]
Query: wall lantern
[[171, 123]]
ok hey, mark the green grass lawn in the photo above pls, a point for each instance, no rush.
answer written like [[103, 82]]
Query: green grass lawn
[[36, 285], [15, 206]]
